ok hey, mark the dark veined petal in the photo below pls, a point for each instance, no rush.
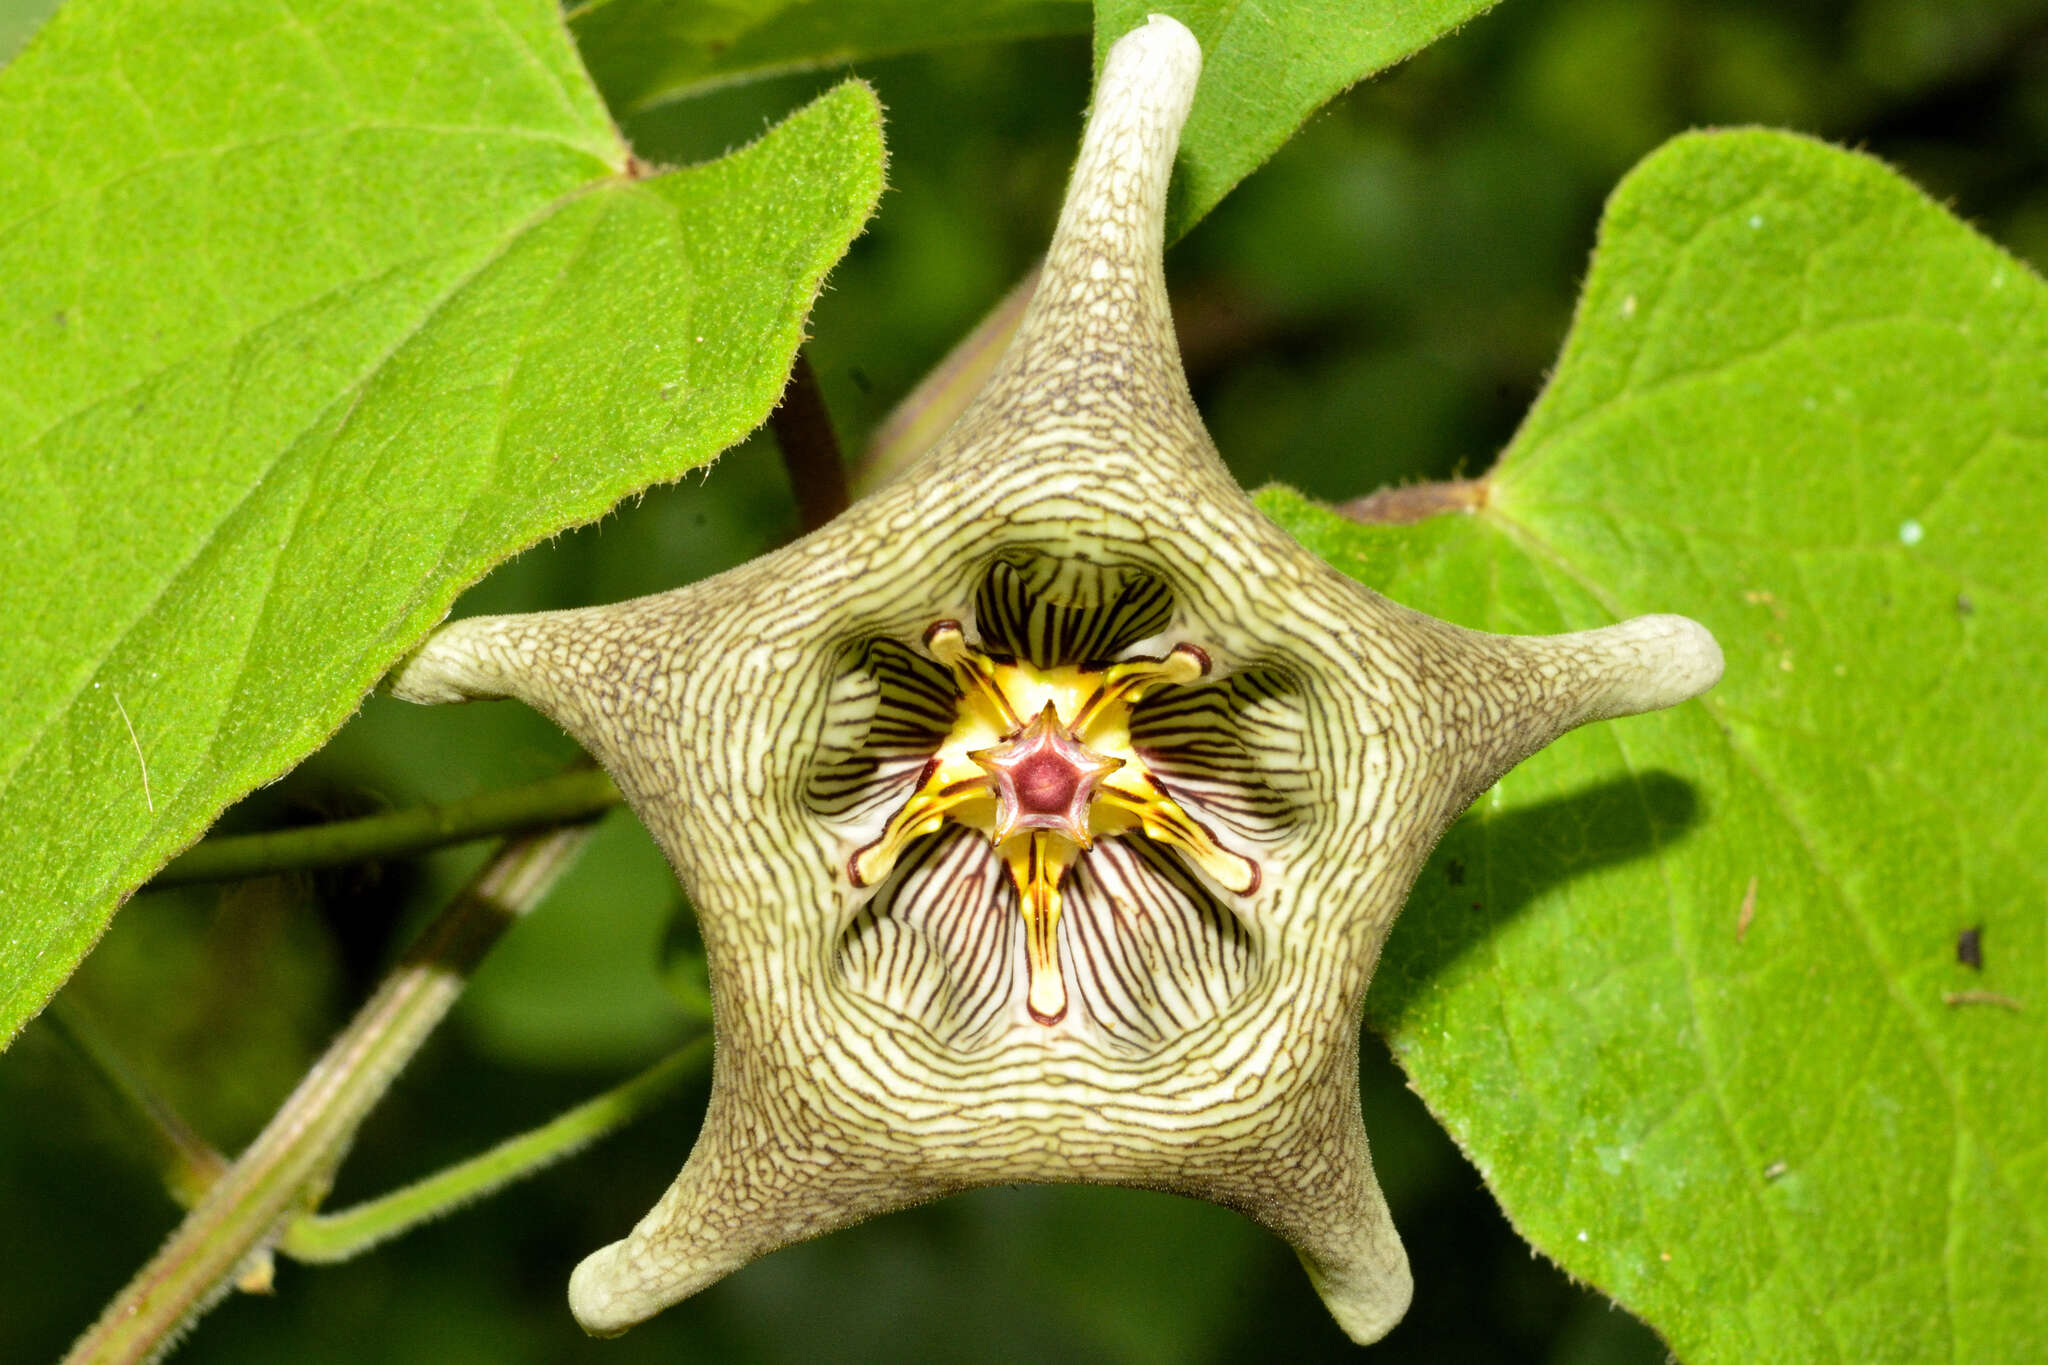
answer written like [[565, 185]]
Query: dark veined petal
[[1151, 951], [939, 943], [1238, 753], [884, 716], [1148, 951], [1049, 612]]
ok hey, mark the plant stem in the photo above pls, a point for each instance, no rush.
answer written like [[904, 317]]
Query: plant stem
[[187, 1163], [565, 797], [810, 450], [283, 1170], [1409, 503], [322, 1238]]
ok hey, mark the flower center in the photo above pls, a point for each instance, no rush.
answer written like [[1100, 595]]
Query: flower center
[[1044, 778], [1042, 786], [1043, 790]]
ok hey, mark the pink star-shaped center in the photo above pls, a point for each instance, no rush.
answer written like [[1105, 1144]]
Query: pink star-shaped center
[[1045, 779]]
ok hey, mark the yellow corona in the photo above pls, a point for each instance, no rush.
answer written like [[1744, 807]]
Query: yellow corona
[[1041, 761]]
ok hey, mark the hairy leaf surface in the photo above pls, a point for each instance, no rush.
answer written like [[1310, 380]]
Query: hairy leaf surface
[[311, 315], [1686, 987]]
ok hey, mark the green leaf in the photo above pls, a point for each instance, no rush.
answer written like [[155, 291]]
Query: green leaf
[[643, 52], [1266, 68], [307, 318], [19, 19], [1686, 986]]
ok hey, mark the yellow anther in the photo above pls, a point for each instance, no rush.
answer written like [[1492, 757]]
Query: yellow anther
[[1128, 682], [1037, 865], [922, 814], [974, 671], [1162, 819]]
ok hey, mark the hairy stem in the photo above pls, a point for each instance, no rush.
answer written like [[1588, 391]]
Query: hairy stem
[[1409, 503], [810, 450], [283, 1171], [563, 798], [337, 1236]]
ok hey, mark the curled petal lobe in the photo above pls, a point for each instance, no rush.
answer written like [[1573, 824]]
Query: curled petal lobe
[[1044, 814]]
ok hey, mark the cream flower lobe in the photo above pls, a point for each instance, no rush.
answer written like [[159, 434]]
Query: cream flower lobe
[[1044, 814]]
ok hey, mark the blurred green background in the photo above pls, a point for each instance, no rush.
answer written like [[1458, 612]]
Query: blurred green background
[[1379, 303]]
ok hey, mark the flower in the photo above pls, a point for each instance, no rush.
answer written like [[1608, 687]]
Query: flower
[[1045, 813], [1038, 793]]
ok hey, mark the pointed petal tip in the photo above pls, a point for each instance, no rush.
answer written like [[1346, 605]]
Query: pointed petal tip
[[459, 662], [599, 1308], [1339, 1225], [1147, 87], [1358, 1266], [1551, 684], [1366, 1305], [621, 1286], [1115, 210], [1163, 45], [723, 1210], [1672, 659]]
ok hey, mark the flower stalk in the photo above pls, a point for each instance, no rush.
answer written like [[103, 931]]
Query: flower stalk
[[324, 1238], [802, 425], [564, 798], [287, 1168]]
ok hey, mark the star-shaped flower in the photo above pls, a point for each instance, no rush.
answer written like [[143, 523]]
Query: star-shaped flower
[[1045, 813]]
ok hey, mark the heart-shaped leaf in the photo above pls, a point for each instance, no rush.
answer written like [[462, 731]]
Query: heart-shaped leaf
[[1689, 987], [307, 319]]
